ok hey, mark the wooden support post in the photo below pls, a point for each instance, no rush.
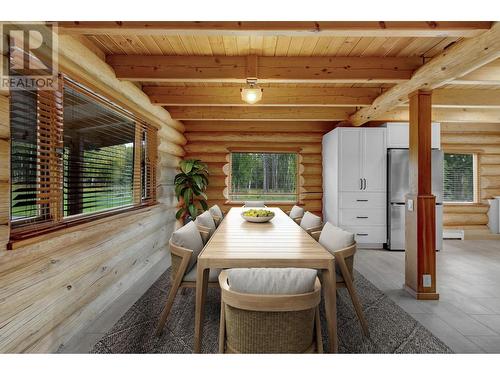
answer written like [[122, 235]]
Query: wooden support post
[[420, 256]]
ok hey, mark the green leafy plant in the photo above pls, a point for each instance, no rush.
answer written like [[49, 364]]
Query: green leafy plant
[[190, 186]]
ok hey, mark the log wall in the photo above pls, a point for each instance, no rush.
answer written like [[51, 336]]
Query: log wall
[[484, 140], [54, 286], [209, 141]]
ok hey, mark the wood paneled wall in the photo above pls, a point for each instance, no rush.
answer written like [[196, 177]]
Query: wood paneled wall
[[484, 140], [209, 141], [56, 285]]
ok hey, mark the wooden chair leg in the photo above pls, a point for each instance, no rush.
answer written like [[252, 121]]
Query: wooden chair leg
[[354, 296], [170, 302], [319, 336], [222, 328]]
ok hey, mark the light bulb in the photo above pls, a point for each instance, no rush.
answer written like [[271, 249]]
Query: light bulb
[[251, 94]]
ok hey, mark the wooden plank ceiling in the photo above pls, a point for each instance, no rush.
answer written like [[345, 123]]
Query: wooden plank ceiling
[[326, 71]]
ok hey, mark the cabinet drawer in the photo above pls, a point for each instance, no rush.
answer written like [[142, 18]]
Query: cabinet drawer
[[372, 235], [362, 200], [375, 216]]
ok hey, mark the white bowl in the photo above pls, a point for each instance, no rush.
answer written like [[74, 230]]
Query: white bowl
[[253, 219]]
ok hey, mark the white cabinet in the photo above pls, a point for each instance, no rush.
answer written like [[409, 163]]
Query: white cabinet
[[363, 158], [374, 160], [398, 135], [355, 182], [351, 156]]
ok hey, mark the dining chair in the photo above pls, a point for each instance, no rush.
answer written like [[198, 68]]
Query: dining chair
[[296, 213], [266, 310], [185, 245], [310, 222], [206, 223], [254, 204], [342, 246], [217, 214]]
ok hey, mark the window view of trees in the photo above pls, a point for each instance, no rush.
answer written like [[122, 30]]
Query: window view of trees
[[458, 177], [263, 176], [98, 155]]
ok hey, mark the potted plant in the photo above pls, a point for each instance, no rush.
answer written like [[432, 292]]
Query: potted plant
[[190, 186]]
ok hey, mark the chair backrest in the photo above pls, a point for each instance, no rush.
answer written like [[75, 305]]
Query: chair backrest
[[216, 213], [206, 221], [339, 242], [309, 221], [254, 204], [269, 323], [187, 238], [296, 212]]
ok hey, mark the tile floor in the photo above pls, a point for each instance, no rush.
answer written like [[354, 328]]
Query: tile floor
[[467, 315]]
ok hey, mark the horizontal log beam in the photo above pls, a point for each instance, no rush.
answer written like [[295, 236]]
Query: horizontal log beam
[[469, 98], [488, 115], [458, 60], [261, 113], [487, 75], [269, 68], [252, 137], [273, 96], [282, 28], [200, 114], [260, 126], [309, 96]]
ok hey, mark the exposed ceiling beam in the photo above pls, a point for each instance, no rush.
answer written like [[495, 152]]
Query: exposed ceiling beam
[[476, 115], [261, 113], [310, 97], [282, 28], [488, 74], [489, 115], [273, 96], [465, 98], [460, 59], [260, 126], [269, 69]]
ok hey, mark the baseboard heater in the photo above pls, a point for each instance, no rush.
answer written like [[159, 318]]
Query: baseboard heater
[[453, 234]]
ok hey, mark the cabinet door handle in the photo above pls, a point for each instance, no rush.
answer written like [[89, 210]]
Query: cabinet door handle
[[361, 200], [361, 234], [361, 217], [361, 184], [364, 180]]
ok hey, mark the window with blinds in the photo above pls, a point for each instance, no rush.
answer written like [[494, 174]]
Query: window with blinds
[[75, 155], [459, 178], [264, 176]]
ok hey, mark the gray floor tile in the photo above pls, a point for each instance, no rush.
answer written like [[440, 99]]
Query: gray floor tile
[[490, 344], [491, 321], [449, 335]]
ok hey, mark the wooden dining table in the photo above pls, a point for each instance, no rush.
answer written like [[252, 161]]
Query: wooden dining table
[[280, 242]]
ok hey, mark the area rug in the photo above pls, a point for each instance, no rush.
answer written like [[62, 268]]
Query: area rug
[[392, 330]]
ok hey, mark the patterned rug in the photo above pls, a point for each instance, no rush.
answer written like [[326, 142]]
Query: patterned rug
[[392, 330]]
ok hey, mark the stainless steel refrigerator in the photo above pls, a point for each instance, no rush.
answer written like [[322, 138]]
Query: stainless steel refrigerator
[[398, 187]]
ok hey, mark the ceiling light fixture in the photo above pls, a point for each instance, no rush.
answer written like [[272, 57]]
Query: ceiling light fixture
[[251, 93]]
